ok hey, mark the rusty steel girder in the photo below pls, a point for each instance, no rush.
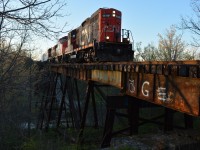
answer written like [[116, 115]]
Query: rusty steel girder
[[178, 93], [174, 84], [113, 78]]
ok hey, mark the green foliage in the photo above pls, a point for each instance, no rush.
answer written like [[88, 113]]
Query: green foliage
[[126, 148], [30, 145], [45, 141], [52, 140]]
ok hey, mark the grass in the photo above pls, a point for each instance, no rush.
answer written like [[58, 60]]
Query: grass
[[67, 139], [52, 140]]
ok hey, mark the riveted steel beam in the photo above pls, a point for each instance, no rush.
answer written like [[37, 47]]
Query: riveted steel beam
[[172, 84]]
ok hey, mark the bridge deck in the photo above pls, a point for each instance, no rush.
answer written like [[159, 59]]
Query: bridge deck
[[174, 84]]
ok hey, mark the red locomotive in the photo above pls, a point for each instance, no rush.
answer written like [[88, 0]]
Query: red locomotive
[[98, 38]]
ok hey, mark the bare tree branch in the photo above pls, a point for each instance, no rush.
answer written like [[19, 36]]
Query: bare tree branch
[[193, 23], [32, 14]]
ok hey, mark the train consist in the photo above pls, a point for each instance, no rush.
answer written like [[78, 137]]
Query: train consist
[[98, 38]]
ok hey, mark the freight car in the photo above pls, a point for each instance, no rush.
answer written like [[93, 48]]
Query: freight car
[[98, 38]]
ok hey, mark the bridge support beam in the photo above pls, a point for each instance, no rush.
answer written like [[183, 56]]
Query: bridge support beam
[[188, 121], [47, 102], [62, 105], [89, 92], [120, 102], [51, 100], [70, 93], [169, 119]]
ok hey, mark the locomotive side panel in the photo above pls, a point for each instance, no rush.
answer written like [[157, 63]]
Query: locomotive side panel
[[53, 51], [78, 36], [60, 50], [94, 21], [85, 33], [71, 41], [63, 44]]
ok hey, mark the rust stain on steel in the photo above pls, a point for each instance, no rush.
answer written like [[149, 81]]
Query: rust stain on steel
[[113, 78], [178, 93]]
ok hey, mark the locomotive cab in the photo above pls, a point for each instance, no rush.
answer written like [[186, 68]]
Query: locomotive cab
[[112, 45], [110, 25]]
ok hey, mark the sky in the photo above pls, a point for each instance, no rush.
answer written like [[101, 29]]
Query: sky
[[145, 18]]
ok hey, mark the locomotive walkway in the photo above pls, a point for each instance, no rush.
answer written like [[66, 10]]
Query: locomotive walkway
[[174, 85]]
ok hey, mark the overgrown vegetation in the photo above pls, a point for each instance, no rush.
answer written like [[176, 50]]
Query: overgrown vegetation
[[20, 22]]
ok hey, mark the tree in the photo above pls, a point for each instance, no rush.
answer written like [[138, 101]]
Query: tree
[[149, 53], [138, 51], [34, 16], [193, 23], [14, 89], [171, 47], [146, 54], [20, 22]]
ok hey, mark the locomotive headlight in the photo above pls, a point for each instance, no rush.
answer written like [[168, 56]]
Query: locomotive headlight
[[113, 13], [128, 39], [107, 37]]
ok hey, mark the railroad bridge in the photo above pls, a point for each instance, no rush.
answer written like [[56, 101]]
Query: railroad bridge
[[174, 85]]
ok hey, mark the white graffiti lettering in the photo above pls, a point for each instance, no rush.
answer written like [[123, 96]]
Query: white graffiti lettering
[[131, 86], [163, 95], [145, 92]]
